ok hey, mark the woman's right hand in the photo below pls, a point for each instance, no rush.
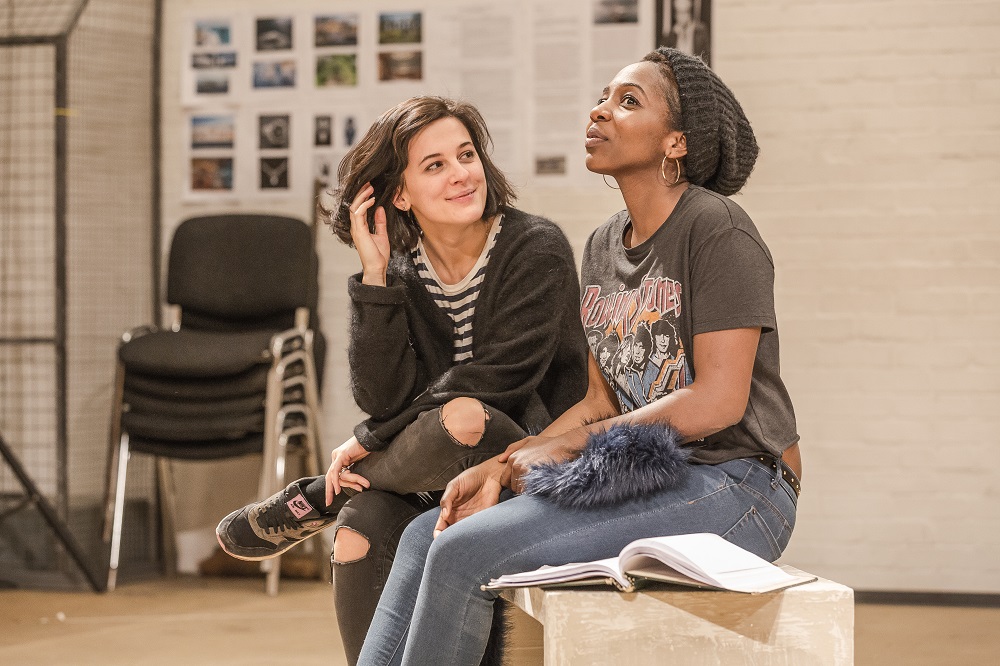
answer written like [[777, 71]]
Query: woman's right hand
[[540, 450], [373, 248]]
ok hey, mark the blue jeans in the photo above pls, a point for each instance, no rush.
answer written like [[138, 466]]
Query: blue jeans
[[433, 611]]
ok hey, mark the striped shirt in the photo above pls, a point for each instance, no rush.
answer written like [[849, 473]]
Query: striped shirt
[[457, 300]]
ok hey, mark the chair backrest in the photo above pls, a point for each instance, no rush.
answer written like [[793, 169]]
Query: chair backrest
[[242, 270]]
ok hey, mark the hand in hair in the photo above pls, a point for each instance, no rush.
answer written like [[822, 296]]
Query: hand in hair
[[373, 248]]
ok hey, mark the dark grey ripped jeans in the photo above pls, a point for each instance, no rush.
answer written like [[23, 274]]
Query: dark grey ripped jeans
[[425, 456], [406, 480]]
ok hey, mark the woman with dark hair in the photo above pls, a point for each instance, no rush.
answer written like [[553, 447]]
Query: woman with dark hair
[[606, 352], [717, 454], [666, 369], [619, 371], [464, 337]]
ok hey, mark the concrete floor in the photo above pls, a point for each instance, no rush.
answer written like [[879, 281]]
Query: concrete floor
[[191, 620]]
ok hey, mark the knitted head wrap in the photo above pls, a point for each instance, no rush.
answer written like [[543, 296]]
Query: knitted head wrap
[[721, 146]]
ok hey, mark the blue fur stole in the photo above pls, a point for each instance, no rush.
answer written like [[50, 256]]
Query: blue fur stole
[[620, 464]]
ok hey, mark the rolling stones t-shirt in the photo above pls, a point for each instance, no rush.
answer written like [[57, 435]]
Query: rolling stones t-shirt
[[705, 269]]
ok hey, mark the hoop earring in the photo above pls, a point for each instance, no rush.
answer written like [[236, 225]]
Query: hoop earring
[[604, 177], [663, 171]]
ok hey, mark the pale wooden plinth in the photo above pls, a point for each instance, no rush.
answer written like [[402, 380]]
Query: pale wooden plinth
[[800, 626]]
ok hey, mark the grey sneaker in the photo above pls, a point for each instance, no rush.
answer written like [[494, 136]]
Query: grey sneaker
[[263, 530]]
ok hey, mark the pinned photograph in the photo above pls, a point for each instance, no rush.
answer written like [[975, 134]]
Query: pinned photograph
[[339, 69], [274, 131], [274, 173], [213, 60], [323, 131], [616, 11], [212, 83], [277, 74], [211, 174], [400, 66], [324, 171], [274, 34], [211, 33], [350, 131], [399, 28], [212, 131], [550, 165], [685, 25], [336, 30]]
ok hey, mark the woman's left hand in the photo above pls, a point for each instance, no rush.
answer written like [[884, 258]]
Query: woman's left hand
[[340, 474]]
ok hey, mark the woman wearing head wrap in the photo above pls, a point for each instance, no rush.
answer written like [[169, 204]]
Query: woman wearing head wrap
[[715, 450]]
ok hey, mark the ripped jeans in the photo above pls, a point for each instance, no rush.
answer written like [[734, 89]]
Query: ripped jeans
[[426, 456], [421, 458], [434, 612]]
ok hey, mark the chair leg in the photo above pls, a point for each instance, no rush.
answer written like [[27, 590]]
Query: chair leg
[[270, 476], [114, 443], [312, 398], [311, 450], [118, 510], [168, 514], [272, 405], [276, 440], [306, 448], [274, 565], [311, 454]]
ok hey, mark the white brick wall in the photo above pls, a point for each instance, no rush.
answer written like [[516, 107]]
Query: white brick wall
[[879, 122], [880, 131]]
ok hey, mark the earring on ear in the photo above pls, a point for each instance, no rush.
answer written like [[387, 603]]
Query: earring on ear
[[663, 171], [605, 178]]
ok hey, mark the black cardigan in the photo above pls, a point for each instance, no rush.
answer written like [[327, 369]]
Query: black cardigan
[[529, 351]]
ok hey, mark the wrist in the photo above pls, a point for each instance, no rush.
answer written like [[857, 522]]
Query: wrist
[[374, 278], [577, 439], [499, 472]]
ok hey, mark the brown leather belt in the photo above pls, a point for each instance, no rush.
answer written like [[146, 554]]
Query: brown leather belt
[[786, 472]]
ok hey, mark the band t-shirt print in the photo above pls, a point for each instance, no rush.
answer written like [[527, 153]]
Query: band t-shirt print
[[633, 334]]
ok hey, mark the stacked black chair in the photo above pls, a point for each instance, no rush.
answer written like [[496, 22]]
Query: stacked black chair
[[237, 371]]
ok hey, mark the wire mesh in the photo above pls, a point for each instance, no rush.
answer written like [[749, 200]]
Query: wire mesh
[[96, 231], [27, 259], [37, 18]]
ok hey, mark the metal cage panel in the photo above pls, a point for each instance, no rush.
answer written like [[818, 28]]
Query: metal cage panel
[[78, 249]]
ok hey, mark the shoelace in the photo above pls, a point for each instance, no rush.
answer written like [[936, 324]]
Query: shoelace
[[275, 517]]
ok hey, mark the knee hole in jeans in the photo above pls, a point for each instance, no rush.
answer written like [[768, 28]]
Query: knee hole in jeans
[[349, 546], [464, 419]]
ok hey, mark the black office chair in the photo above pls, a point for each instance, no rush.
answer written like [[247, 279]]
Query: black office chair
[[237, 372]]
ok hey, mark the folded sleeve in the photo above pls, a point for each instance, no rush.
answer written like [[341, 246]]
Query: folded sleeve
[[732, 283]]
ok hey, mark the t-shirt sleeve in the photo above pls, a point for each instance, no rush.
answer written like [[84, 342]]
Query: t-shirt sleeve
[[732, 284]]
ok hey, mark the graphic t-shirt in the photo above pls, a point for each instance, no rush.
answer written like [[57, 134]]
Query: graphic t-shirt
[[705, 269]]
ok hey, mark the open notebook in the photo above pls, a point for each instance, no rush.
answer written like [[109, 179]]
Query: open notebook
[[698, 560]]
